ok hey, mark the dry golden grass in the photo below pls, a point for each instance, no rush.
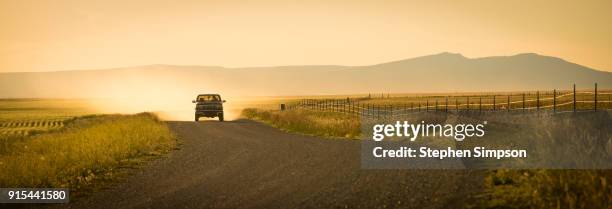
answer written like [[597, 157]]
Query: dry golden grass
[[542, 188], [86, 147], [318, 123], [529, 188]]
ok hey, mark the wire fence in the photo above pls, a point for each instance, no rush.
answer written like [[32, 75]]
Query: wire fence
[[554, 101]]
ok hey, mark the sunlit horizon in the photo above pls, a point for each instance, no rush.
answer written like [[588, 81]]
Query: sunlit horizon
[[75, 35]]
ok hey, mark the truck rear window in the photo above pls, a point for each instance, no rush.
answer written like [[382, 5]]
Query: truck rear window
[[208, 98]]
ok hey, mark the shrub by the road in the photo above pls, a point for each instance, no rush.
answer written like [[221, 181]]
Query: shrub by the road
[[87, 147], [545, 188], [318, 123]]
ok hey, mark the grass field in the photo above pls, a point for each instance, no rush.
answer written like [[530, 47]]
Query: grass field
[[326, 124], [528, 188], [60, 143]]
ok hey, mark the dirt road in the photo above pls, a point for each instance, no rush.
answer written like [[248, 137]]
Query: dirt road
[[245, 164]]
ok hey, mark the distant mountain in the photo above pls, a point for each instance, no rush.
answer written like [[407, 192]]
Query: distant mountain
[[445, 72]]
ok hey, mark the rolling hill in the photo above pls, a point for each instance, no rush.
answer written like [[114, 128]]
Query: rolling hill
[[445, 72]]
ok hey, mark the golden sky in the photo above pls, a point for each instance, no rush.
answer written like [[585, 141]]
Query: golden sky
[[61, 35]]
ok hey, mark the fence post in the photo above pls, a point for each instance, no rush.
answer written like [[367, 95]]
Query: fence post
[[321, 105], [538, 100], [446, 105], [554, 100], [436, 110], [479, 104], [427, 105], [508, 102], [468, 103], [345, 107], [574, 98], [419, 106], [595, 107], [493, 102], [336, 107], [456, 104], [523, 102], [360, 110]]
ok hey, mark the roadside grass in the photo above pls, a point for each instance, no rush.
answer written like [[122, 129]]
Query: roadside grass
[[529, 188], [81, 151], [317, 123], [545, 188]]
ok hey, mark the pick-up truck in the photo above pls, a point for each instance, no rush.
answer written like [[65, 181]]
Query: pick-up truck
[[208, 105]]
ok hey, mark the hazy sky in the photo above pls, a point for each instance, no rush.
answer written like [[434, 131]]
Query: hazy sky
[[60, 35]]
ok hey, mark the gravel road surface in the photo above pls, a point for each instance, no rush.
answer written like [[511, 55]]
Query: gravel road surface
[[246, 164]]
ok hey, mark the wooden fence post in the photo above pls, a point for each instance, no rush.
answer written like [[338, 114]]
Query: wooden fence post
[[427, 105], [322, 104], [554, 100], [336, 105], [362, 110], [508, 102], [468, 103], [446, 105], [436, 110], [523, 102], [595, 107], [456, 104], [537, 100], [574, 98], [493, 102]]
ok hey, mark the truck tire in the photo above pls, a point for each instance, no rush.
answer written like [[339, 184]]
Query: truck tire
[[221, 117], [197, 118]]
